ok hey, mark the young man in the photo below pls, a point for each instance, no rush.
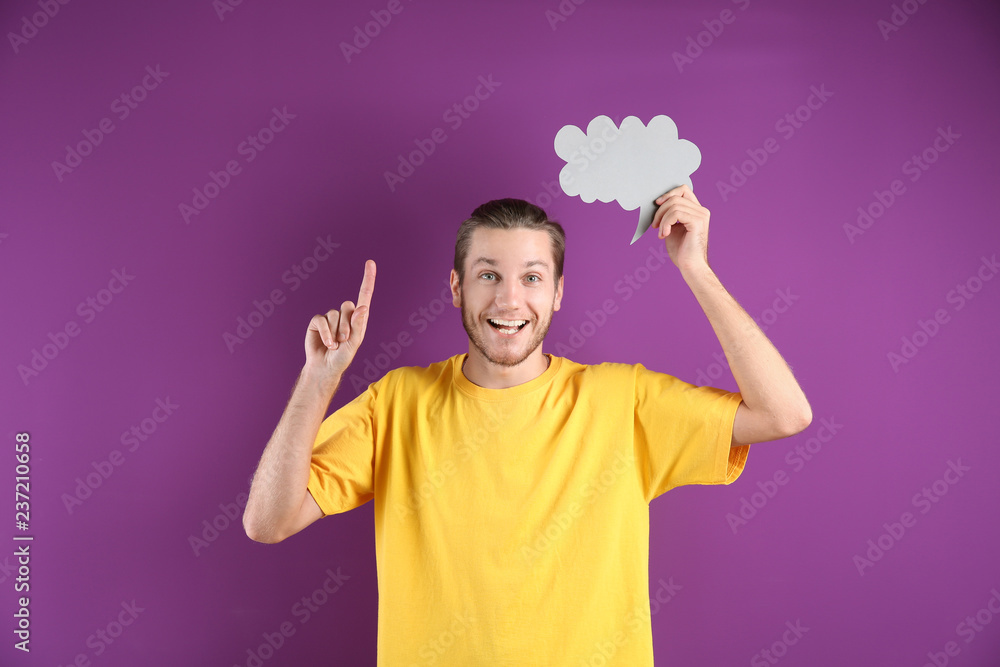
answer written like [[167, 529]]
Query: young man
[[511, 487]]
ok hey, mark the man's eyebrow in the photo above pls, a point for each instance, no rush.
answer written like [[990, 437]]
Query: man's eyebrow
[[538, 262], [493, 262]]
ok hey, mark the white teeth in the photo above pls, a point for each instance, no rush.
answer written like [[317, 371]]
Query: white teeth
[[509, 323]]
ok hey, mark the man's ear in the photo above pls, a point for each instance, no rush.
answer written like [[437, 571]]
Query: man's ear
[[456, 289], [559, 293]]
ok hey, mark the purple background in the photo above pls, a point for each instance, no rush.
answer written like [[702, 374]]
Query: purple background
[[853, 300]]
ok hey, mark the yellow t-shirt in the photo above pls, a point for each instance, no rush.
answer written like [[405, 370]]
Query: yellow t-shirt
[[512, 525]]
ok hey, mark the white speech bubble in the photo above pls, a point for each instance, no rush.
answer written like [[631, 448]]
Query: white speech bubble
[[632, 164]]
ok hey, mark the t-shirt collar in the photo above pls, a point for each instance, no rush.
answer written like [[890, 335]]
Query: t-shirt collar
[[467, 386]]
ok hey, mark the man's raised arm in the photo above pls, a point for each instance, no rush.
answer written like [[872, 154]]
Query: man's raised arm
[[774, 405], [280, 504]]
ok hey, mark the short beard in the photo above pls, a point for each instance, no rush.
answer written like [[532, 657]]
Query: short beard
[[541, 329]]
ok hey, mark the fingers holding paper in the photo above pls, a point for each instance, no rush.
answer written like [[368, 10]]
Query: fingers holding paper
[[683, 222]]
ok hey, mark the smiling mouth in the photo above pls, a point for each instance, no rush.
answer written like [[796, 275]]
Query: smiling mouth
[[507, 327]]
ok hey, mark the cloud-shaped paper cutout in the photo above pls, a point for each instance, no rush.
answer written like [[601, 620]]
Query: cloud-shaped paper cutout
[[633, 164]]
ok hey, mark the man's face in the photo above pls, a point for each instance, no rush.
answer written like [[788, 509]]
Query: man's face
[[508, 294]]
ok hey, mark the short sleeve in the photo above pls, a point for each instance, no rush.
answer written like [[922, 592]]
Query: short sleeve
[[341, 471], [683, 433]]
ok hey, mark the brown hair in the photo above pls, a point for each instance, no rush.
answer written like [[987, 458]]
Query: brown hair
[[509, 214]]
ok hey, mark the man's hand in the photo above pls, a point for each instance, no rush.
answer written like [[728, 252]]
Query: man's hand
[[333, 339], [683, 221]]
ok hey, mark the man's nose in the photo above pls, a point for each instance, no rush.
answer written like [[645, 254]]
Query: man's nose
[[509, 295]]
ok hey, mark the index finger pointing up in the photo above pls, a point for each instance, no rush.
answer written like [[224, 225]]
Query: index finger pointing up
[[367, 285]]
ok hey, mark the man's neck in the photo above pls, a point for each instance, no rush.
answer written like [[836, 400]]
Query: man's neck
[[482, 372]]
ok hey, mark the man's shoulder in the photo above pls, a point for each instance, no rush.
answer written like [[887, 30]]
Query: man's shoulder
[[600, 371], [615, 371]]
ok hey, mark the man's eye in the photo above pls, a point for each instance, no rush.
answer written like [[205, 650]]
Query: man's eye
[[534, 278], [488, 276]]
